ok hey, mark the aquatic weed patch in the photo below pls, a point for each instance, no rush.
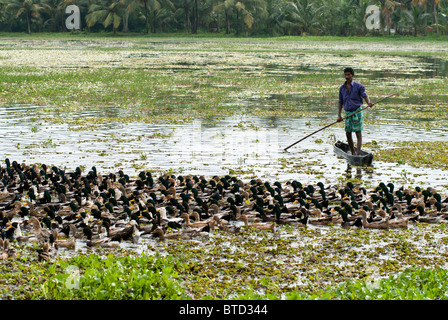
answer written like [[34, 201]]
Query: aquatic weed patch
[[291, 263], [416, 153], [415, 283], [188, 78], [302, 260], [113, 277]]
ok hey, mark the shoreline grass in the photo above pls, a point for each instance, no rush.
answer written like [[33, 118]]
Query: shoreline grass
[[200, 34]]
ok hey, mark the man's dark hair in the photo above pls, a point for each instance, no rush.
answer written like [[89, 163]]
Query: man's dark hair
[[349, 70]]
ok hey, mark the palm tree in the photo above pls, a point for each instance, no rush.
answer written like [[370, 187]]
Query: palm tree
[[387, 9], [228, 8], [342, 16], [211, 18], [2, 12], [144, 3], [357, 17], [417, 18], [304, 14], [434, 4], [248, 19], [277, 11], [56, 11], [242, 10], [328, 21], [443, 19], [5, 17], [28, 8], [259, 13], [130, 6], [399, 21], [195, 26], [108, 12], [185, 7], [152, 7], [158, 11]]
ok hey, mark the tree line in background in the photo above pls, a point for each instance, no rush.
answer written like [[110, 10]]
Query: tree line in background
[[239, 17]]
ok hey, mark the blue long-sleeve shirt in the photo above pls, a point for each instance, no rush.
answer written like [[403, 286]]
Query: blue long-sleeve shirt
[[352, 100]]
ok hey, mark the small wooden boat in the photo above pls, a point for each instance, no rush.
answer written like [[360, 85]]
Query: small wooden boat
[[343, 150]]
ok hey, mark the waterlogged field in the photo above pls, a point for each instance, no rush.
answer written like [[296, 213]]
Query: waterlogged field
[[230, 106], [133, 102]]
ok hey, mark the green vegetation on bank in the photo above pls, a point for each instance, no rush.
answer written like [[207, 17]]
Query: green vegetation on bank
[[142, 277], [412, 284], [114, 277], [292, 263], [180, 35], [244, 17]]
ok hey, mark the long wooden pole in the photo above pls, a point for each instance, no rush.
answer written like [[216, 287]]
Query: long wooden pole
[[328, 125]]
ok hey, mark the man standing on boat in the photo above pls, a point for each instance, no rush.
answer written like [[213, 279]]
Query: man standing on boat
[[351, 95]]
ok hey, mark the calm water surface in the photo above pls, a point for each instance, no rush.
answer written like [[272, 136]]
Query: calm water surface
[[245, 146]]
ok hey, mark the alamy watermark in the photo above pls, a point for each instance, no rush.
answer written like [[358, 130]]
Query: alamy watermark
[[72, 281], [234, 144], [373, 17], [373, 279], [73, 22]]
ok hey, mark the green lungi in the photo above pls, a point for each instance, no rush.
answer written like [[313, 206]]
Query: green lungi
[[353, 123]]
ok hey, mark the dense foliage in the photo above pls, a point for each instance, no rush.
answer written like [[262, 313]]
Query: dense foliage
[[131, 277], [126, 277], [160, 281], [240, 17]]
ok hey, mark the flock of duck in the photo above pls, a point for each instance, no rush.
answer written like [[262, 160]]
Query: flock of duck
[[54, 208]]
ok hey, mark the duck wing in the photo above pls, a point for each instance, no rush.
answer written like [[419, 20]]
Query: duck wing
[[124, 234]]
